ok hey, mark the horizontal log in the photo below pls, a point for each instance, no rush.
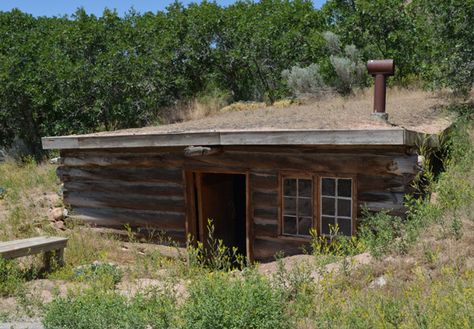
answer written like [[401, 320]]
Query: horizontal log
[[118, 218], [141, 188], [122, 174], [122, 160], [379, 206], [349, 163], [263, 182], [373, 183], [293, 149], [265, 248], [265, 199], [389, 198], [318, 163], [267, 228], [124, 201], [266, 213]]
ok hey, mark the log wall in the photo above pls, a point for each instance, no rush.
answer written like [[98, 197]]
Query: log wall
[[146, 187]]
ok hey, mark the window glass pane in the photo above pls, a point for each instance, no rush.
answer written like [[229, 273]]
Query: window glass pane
[[304, 225], [289, 187], [328, 206], [304, 207], [328, 186], [325, 224], [289, 225], [344, 207], [344, 187], [305, 187], [344, 226], [289, 206]]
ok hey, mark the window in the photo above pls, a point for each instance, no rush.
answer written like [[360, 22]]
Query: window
[[336, 205], [297, 206]]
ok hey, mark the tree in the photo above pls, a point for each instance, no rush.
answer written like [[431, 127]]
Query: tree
[[380, 29], [447, 54]]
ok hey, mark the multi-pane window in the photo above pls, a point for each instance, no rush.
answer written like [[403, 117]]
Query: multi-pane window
[[336, 205], [297, 206]]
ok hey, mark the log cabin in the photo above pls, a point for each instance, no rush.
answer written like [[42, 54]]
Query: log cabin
[[265, 177]]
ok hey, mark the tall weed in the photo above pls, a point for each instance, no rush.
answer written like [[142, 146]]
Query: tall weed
[[220, 300], [214, 254]]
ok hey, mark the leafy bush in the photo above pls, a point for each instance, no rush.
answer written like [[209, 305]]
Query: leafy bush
[[108, 275], [350, 72], [95, 308], [11, 278], [347, 64], [222, 301], [379, 230], [305, 80], [333, 43]]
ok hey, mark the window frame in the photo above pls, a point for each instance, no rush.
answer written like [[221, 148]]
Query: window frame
[[316, 201], [284, 176], [353, 200]]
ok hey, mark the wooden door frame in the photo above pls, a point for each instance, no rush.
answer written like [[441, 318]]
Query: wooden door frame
[[195, 226]]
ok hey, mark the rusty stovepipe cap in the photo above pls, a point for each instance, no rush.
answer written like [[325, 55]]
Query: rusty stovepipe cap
[[381, 66]]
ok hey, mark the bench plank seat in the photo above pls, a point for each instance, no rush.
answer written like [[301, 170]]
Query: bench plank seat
[[31, 246]]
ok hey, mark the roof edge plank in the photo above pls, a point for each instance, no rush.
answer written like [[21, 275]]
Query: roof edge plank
[[392, 136]]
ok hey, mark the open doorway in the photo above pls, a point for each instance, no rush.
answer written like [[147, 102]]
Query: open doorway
[[222, 198]]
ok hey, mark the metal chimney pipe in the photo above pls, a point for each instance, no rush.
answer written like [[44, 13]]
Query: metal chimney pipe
[[380, 69]]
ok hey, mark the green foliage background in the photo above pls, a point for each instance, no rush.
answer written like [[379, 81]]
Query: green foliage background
[[83, 73]]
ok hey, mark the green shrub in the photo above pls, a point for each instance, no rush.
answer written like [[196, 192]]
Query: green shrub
[[305, 80], [108, 275], [220, 300], [11, 278], [104, 309], [378, 231]]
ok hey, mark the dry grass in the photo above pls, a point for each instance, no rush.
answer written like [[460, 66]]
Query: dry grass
[[412, 109], [197, 108], [243, 106], [31, 190]]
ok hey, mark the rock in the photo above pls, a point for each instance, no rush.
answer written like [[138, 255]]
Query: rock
[[65, 213], [379, 282], [3, 155], [60, 225], [55, 160], [57, 214]]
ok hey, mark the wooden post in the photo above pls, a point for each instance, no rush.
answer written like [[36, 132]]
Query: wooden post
[[57, 255], [47, 260]]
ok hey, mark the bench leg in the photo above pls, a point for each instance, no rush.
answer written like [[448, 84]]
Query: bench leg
[[47, 260], [58, 257]]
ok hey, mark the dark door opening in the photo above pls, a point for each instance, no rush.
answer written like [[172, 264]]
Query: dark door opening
[[222, 198]]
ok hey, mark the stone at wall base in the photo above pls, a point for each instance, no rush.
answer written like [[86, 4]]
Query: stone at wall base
[[381, 116]]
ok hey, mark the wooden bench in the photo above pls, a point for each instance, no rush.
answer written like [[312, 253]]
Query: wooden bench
[[51, 246]]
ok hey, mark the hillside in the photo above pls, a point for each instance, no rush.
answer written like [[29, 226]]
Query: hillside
[[415, 273]]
